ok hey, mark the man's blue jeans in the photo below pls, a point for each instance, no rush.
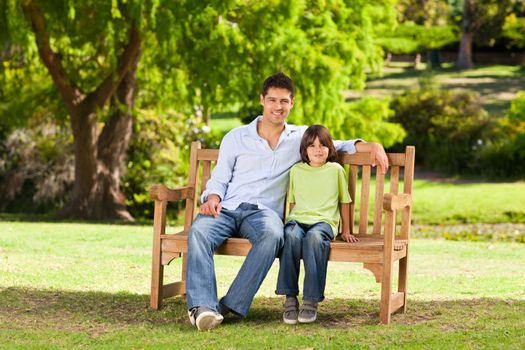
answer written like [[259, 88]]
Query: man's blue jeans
[[262, 227], [312, 244]]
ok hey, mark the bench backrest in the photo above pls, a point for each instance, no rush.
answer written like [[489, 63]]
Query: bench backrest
[[360, 183]]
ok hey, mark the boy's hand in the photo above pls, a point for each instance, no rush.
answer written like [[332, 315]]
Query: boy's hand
[[350, 238]]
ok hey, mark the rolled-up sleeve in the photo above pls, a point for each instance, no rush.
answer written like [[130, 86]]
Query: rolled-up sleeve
[[347, 146], [222, 173]]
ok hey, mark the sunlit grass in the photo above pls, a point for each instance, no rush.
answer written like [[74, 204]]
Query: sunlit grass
[[86, 286]]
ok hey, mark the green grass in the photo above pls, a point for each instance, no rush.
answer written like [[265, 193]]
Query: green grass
[[86, 286], [224, 122], [447, 203], [438, 203]]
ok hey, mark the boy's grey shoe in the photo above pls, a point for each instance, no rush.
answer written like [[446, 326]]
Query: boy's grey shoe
[[308, 313], [204, 319], [291, 310]]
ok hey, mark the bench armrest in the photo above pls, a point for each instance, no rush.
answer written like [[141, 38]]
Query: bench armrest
[[162, 193], [396, 201]]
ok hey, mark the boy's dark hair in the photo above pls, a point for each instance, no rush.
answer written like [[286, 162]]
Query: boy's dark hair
[[279, 80], [325, 139]]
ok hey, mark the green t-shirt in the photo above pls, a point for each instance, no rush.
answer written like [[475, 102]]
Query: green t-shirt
[[317, 193]]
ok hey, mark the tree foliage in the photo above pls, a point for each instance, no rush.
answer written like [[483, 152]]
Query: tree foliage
[[196, 58]]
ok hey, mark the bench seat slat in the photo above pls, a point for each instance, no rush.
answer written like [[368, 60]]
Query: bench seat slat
[[177, 243]]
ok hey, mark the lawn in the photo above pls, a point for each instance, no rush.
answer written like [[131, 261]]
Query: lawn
[[451, 202], [72, 285]]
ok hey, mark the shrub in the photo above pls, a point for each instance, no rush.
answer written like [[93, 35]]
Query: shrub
[[503, 156], [159, 153], [447, 127], [37, 162], [367, 118], [36, 167]]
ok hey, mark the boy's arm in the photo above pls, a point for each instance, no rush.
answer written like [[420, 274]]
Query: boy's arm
[[344, 209]]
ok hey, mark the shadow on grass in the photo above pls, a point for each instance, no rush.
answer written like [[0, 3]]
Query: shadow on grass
[[97, 312]]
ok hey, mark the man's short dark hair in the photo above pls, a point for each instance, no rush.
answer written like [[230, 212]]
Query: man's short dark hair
[[279, 80]]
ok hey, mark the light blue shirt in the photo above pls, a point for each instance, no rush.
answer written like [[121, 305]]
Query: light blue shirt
[[249, 170]]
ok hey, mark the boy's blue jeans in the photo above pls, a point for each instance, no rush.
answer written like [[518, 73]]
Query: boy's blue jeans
[[312, 244], [262, 227]]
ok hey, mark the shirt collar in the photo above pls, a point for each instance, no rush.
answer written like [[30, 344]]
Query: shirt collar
[[251, 129]]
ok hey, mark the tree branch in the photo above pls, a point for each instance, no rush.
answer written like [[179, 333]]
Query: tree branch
[[126, 61], [71, 95]]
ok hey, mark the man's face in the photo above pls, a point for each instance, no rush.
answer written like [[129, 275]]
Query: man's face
[[276, 105]]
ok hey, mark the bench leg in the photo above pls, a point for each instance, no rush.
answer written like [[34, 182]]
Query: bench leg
[[157, 277], [386, 293], [402, 282], [157, 270], [183, 275]]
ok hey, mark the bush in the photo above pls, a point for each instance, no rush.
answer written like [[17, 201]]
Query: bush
[[503, 156], [37, 162], [36, 167], [159, 153], [367, 118], [447, 127]]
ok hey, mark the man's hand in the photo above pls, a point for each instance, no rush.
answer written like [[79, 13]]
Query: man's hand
[[212, 206], [377, 154]]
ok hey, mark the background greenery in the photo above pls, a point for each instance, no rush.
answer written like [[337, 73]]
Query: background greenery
[[462, 122]]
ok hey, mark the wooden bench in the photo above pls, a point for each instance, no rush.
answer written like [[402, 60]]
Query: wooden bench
[[378, 248]]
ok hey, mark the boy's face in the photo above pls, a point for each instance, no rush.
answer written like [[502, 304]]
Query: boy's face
[[317, 153], [276, 105]]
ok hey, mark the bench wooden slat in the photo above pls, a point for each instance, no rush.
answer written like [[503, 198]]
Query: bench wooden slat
[[407, 188], [378, 205], [394, 179], [206, 173], [191, 203], [364, 158], [177, 243], [352, 183], [208, 154], [365, 195]]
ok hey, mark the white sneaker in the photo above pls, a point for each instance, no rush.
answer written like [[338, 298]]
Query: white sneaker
[[204, 319]]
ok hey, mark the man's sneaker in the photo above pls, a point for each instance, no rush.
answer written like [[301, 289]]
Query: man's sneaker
[[308, 313], [223, 309], [291, 309], [204, 319]]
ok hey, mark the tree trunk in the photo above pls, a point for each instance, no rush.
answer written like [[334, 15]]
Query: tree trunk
[[417, 60], [465, 51], [388, 59], [113, 144], [467, 36], [99, 165], [98, 162]]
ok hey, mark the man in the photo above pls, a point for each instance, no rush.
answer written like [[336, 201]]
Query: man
[[245, 198]]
